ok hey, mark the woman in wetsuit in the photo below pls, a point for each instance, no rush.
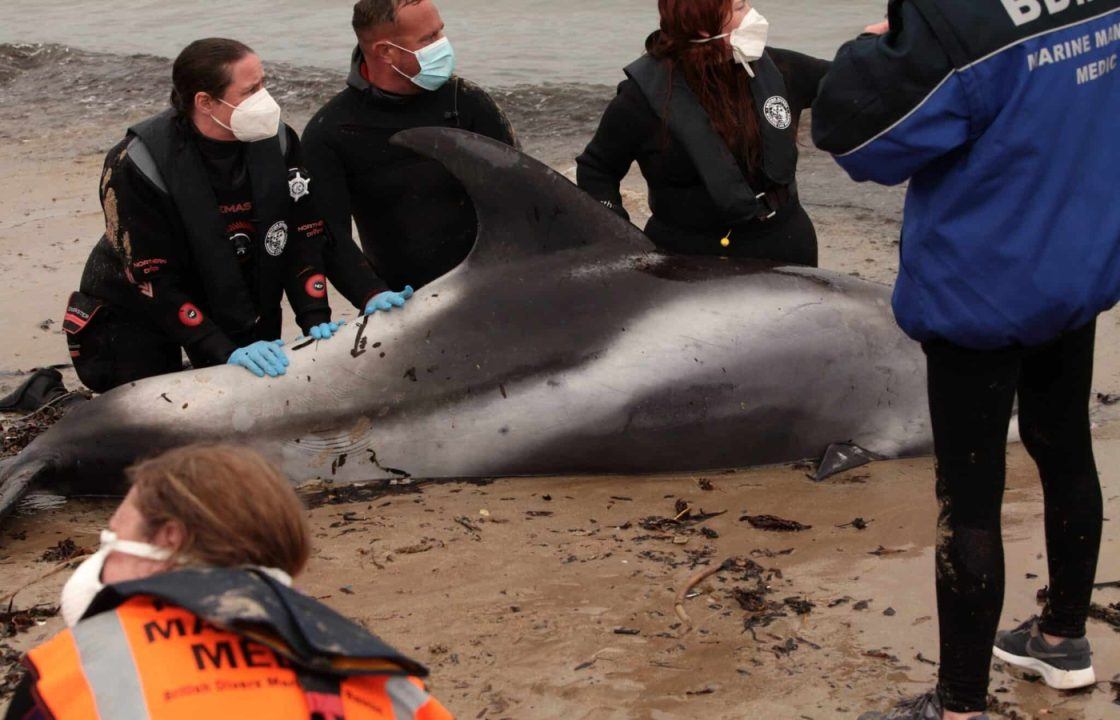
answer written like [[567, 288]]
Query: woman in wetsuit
[[711, 116], [209, 221]]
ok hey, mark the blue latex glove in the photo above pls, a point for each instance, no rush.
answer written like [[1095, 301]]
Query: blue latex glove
[[388, 300], [262, 358], [325, 331]]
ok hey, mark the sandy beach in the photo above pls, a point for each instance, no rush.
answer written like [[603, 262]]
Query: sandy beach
[[551, 598]]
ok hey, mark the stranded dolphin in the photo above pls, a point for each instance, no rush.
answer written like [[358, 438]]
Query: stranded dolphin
[[564, 344]]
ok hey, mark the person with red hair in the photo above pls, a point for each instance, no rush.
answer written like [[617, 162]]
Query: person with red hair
[[711, 114]]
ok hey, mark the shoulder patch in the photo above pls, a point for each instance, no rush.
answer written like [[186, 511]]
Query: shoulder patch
[[142, 158], [777, 112]]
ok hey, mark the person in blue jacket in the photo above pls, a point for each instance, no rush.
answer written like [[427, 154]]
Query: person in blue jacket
[[1002, 115]]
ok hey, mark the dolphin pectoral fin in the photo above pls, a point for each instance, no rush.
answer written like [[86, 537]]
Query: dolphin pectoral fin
[[841, 457], [15, 480], [525, 209]]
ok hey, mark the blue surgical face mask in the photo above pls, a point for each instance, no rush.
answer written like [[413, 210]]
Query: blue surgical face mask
[[437, 63]]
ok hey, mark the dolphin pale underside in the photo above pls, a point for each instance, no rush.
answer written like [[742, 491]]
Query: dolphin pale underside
[[564, 344]]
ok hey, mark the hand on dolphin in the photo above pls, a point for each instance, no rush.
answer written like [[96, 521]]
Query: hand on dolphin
[[325, 331], [264, 357], [388, 300]]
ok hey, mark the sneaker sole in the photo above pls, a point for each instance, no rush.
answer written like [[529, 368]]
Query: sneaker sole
[[1052, 676]]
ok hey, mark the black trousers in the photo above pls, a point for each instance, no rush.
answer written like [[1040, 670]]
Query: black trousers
[[971, 396], [116, 348]]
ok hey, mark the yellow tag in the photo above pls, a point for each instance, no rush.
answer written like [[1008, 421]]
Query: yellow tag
[[726, 242]]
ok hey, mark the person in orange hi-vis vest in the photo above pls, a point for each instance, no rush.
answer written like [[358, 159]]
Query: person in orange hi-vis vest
[[186, 612]]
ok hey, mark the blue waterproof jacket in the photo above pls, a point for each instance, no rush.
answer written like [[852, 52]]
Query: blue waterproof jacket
[[1005, 117]]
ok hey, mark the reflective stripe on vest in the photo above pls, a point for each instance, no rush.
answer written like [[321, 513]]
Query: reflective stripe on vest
[[148, 660], [407, 698], [66, 693], [109, 668]]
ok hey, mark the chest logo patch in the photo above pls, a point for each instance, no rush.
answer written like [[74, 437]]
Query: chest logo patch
[[276, 239], [777, 112], [299, 186]]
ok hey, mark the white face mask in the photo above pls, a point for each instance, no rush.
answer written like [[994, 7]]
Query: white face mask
[[256, 118], [85, 583], [748, 41]]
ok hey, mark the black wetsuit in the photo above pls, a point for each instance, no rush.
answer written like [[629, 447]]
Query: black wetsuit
[[686, 218], [415, 220], [154, 286]]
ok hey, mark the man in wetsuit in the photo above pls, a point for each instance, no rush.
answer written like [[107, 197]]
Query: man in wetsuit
[[414, 219]]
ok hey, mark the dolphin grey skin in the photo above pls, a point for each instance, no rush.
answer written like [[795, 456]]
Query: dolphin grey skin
[[563, 345]]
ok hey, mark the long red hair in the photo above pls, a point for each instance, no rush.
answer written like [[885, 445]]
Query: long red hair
[[721, 85]]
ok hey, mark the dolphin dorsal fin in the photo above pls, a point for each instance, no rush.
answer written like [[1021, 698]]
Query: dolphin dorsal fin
[[524, 207]]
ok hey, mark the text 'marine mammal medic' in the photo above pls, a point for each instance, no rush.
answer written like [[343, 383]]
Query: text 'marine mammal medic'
[[1010, 152]]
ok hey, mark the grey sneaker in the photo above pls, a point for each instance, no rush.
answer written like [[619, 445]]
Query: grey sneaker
[[1065, 666], [923, 707]]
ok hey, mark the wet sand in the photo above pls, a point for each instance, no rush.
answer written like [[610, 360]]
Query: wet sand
[[517, 611], [516, 608]]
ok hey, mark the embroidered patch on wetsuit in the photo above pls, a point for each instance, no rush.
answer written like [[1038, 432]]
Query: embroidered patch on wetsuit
[[316, 286], [299, 186], [80, 309], [190, 315], [276, 239], [777, 112]]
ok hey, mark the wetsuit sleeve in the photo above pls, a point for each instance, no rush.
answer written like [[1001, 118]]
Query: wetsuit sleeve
[[137, 225], [344, 263], [305, 280], [802, 73], [890, 105], [482, 115], [609, 155]]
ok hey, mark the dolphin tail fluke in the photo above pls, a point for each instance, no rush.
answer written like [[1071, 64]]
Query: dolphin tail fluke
[[524, 207], [16, 476]]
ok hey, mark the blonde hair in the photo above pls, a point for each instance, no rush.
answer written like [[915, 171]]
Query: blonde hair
[[234, 506]]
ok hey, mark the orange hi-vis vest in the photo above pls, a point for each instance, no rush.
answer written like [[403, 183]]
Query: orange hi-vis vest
[[148, 659]]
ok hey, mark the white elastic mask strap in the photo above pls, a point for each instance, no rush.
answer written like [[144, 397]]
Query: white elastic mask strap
[[398, 47], [142, 550], [701, 41], [402, 49], [227, 127], [278, 575]]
